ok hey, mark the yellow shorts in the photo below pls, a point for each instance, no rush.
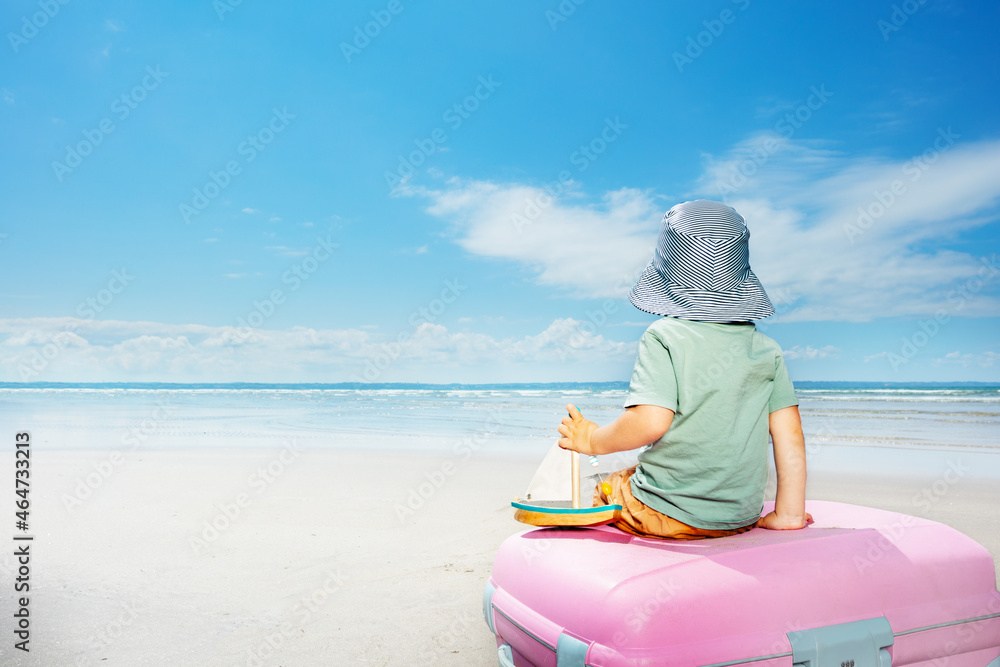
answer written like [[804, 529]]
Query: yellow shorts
[[642, 520]]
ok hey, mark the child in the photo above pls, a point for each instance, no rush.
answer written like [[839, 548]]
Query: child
[[706, 389]]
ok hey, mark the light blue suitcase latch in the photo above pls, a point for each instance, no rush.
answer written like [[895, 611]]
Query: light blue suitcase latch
[[504, 656], [857, 644], [571, 652]]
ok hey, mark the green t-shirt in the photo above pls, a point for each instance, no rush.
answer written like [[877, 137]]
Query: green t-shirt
[[722, 381]]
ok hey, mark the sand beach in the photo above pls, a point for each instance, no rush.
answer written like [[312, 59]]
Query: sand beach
[[182, 561]]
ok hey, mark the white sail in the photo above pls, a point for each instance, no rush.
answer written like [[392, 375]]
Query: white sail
[[552, 482]]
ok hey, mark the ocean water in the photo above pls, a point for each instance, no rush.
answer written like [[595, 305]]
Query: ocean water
[[867, 427]]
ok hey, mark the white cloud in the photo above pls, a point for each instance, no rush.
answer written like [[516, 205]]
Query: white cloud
[[809, 352], [588, 250], [802, 206], [41, 337], [285, 251], [801, 201], [250, 211], [985, 360], [73, 349], [770, 106], [421, 250], [150, 353]]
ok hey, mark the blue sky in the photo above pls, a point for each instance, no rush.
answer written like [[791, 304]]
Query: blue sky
[[201, 191]]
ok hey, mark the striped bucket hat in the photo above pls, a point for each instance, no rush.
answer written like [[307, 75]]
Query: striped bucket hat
[[701, 268]]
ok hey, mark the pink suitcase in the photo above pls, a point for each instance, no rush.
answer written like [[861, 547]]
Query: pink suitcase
[[858, 588]]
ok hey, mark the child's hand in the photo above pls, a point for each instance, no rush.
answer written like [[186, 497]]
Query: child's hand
[[772, 521], [576, 431]]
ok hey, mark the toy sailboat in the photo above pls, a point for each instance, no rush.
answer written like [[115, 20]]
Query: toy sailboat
[[553, 496]]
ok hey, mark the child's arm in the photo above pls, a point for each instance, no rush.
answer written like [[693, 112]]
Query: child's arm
[[639, 425], [790, 463]]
